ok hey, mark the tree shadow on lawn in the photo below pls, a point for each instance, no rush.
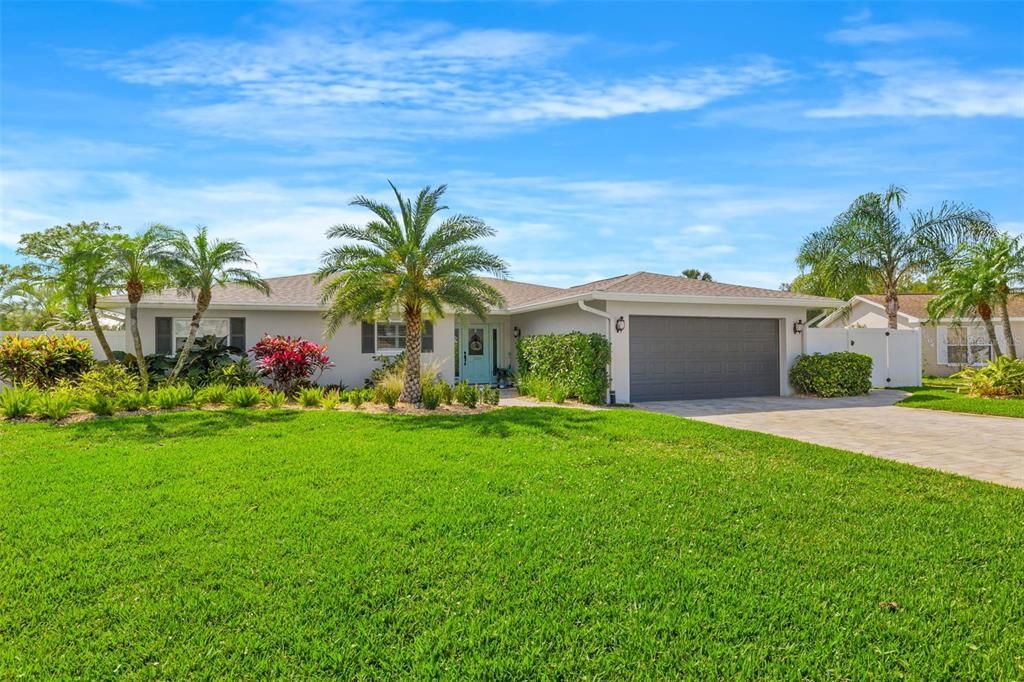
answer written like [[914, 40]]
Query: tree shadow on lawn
[[160, 425], [506, 422]]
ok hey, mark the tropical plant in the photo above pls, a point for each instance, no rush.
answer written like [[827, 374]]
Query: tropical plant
[[17, 402], [172, 396], [275, 400], [245, 396], [132, 402], [868, 247], [387, 394], [197, 265], [207, 361], [109, 380], [431, 396], [312, 396], [356, 398], [398, 264], [287, 362], [143, 262], [79, 258], [239, 373], [31, 301], [969, 286], [43, 361], [214, 394], [100, 404], [55, 404], [999, 378], [697, 273], [331, 399]]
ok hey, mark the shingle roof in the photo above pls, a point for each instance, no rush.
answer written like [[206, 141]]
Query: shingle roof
[[301, 290], [916, 305]]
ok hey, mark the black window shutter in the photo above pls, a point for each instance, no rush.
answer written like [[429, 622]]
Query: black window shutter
[[427, 337], [237, 337], [369, 337], [164, 341]]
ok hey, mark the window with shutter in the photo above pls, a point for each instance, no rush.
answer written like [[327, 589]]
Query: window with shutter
[[237, 336], [163, 336], [369, 342], [427, 339]]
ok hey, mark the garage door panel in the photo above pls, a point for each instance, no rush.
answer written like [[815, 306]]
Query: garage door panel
[[680, 358]]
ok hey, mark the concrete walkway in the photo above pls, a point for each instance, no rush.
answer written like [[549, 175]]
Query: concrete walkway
[[982, 447]]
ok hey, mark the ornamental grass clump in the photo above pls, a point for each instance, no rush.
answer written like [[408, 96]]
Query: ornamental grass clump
[[171, 397], [99, 404], [214, 394], [132, 402], [356, 398], [387, 394], [275, 400], [331, 400], [16, 403]]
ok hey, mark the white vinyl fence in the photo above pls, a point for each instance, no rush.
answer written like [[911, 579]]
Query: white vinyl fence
[[896, 353], [116, 339]]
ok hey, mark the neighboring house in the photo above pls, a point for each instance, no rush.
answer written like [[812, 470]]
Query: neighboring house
[[672, 337], [947, 345]]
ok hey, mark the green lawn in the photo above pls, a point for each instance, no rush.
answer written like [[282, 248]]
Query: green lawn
[[940, 394], [519, 543]]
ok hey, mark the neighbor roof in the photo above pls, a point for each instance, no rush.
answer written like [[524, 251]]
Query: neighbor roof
[[916, 305], [301, 291]]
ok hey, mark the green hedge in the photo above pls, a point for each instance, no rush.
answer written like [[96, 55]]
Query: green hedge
[[832, 375], [575, 362]]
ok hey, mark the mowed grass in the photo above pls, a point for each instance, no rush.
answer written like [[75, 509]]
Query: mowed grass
[[520, 543], [941, 394]]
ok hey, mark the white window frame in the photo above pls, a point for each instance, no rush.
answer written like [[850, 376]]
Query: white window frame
[[970, 332], [206, 321], [395, 351]]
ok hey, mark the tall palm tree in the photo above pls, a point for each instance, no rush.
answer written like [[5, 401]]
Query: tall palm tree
[[197, 264], [396, 263], [79, 258], [967, 287], [143, 261], [869, 246], [31, 301]]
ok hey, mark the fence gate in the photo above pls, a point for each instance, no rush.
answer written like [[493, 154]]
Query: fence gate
[[895, 354]]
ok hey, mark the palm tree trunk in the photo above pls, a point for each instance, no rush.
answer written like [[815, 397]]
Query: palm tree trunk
[[134, 296], [202, 303], [411, 383], [1004, 311], [892, 309], [985, 313], [94, 318]]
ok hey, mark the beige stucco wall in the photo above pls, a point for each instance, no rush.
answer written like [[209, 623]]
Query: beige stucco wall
[[929, 350], [344, 348]]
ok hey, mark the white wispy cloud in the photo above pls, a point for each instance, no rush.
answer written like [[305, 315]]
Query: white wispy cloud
[[863, 33], [920, 88], [431, 80]]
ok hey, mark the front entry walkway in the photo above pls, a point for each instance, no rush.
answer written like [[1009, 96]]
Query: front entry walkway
[[981, 447]]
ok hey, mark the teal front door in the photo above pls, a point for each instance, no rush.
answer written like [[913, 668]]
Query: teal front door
[[476, 353]]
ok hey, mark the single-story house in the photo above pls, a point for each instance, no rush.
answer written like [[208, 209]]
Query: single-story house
[[671, 337], [947, 345]]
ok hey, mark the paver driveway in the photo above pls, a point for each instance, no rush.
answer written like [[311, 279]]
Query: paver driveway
[[982, 447]]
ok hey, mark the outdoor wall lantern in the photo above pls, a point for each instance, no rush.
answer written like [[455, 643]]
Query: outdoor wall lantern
[[515, 332], [620, 324], [798, 327]]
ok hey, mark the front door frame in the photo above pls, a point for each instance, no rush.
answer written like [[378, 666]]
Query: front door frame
[[462, 352]]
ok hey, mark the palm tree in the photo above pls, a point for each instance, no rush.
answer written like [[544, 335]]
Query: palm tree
[[79, 259], [143, 261], [29, 301], [399, 264], [197, 265], [967, 287], [868, 247], [696, 273]]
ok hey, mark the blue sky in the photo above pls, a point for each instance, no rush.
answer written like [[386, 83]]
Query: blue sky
[[598, 139]]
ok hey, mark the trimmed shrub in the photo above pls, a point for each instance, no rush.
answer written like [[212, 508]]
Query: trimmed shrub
[[311, 397], [356, 398], [577, 362], [275, 400], [431, 396], [17, 402], [833, 375], [42, 361], [287, 362], [999, 378], [466, 395], [446, 391], [244, 396], [55, 404], [112, 381], [490, 395]]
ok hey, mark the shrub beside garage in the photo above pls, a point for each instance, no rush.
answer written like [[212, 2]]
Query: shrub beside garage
[[832, 375]]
